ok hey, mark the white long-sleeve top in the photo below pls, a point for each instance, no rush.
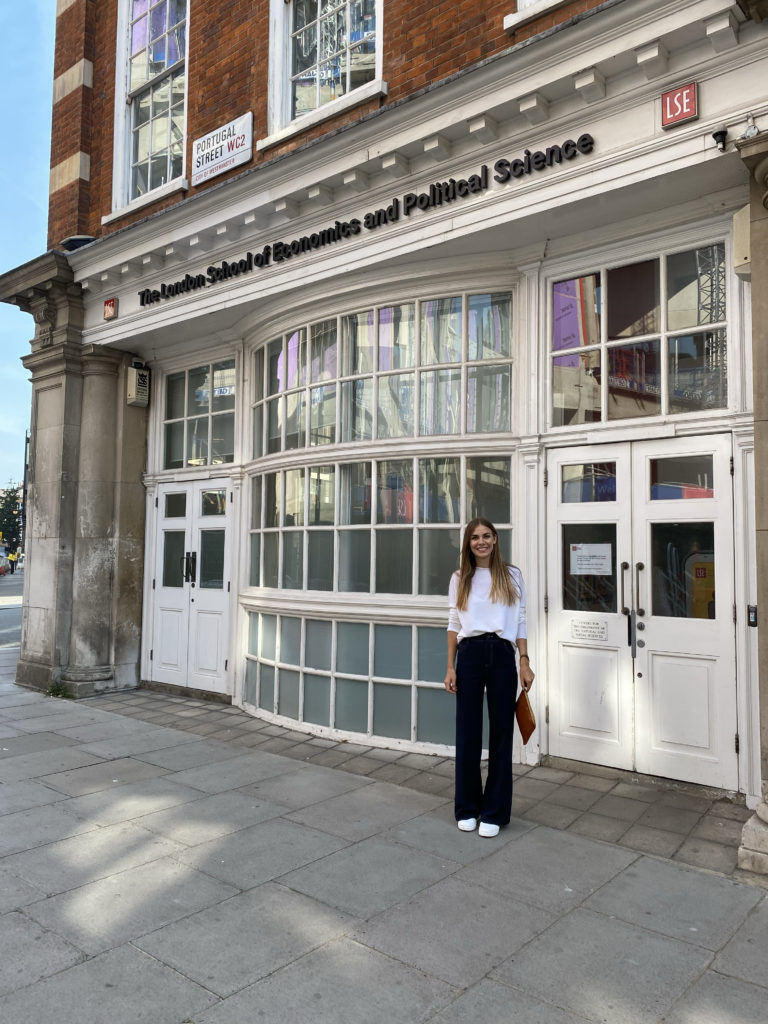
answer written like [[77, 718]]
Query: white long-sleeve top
[[483, 615]]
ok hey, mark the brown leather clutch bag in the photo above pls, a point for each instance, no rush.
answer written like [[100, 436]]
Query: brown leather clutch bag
[[526, 720]]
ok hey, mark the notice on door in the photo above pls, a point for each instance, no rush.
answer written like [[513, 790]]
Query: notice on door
[[589, 629], [591, 560]]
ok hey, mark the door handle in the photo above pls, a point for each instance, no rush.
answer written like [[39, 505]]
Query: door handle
[[192, 567], [639, 566], [184, 560], [624, 609]]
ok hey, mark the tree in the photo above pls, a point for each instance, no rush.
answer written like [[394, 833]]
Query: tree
[[10, 516]]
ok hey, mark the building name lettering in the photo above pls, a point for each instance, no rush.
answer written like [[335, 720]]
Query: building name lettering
[[440, 193]]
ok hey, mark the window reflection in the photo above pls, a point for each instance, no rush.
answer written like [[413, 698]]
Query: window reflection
[[683, 570], [576, 312], [589, 567], [588, 481]]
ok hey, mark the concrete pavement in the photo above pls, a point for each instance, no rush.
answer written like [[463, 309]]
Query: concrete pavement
[[150, 873]]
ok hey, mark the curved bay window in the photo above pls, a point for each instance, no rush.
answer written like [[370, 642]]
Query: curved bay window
[[645, 339], [357, 511]]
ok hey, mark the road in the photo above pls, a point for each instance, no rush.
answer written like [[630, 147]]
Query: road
[[11, 588]]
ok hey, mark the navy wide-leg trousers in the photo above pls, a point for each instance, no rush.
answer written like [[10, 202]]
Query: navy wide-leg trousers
[[485, 664]]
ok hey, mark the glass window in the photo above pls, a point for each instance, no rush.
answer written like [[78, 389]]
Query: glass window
[[269, 636], [696, 287], [441, 330], [213, 503], [322, 496], [354, 561], [392, 710], [395, 491], [633, 300], [173, 558], [488, 328], [176, 505], [267, 688], [576, 312], [290, 640], [634, 380], [431, 653], [397, 337], [588, 481], [395, 406], [438, 557], [322, 414], [294, 497], [351, 711], [683, 570], [392, 652], [352, 652], [203, 431], [293, 560], [320, 560], [317, 699], [488, 489], [357, 337], [488, 399], [589, 567], [212, 559], [435, 716], [318, 644], [440, 396], [323, 351], [270, 558], [698, 371], [289, 693], [576, 393], [254, 573], [394, 561], [356, 406], [686, 476], [356, 493], [439, 490], [296, 359]]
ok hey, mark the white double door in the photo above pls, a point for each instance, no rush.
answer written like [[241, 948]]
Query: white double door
[[641, 602], [192, 585]]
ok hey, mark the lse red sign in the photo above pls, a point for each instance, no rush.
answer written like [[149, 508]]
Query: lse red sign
[[679, 105]]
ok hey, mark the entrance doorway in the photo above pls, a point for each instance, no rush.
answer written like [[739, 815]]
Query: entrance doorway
[[191, 585], [641, 598]]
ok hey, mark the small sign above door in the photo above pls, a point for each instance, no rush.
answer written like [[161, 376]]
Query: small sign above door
[[679, 105]]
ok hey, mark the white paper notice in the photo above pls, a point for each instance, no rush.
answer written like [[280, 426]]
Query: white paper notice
[[590, 560]]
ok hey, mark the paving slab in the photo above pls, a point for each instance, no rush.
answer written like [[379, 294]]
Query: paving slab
[[149, 737], [190, 755], [106, 775], [210, 817], [38, 826], [365, 811], [18, 796], [123, 986], [490, 1002], [306, 786], [436, 833], [341, 983], [44, 763], [369, 876], [26, 743], [260, 853], [117, 909], [606, 970], [233, 773], [29, 953], [274, 926], [132, 801], [715, 999], [679, 902], [15, 892], [553, 870], [454, 930], [746, 954]]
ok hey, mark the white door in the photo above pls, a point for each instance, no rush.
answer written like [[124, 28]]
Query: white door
[[640, 598], [192, 586]]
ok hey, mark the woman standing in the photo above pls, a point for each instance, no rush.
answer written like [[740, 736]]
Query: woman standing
[[486, 623]]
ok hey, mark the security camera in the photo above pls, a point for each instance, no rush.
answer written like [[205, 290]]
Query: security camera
[[720, 136]]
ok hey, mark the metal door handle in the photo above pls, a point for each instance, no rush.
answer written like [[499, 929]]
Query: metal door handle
[[624, 609], [639, 566], [192, 567]]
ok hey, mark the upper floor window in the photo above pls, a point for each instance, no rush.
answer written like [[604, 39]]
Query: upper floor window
[[156, 92], [644, 339], [333, 50], [199, 427]]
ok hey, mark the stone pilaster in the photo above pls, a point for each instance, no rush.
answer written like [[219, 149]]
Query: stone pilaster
[[753, 852]]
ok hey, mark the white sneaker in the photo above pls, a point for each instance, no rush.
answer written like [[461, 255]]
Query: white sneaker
[[467, 824], [487, 830]]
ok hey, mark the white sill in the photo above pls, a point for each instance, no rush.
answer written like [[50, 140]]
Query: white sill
[[177, 185], [513, 21], [352, 99]]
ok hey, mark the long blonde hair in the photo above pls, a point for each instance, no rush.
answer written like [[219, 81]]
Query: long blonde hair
[[503, 589]]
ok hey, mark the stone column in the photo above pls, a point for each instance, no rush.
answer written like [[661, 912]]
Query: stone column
[[753, 852]]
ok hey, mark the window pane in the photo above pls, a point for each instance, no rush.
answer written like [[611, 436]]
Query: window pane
[[589, 567], [253, 633], [576, 312], [258, 432], [255, 502], [323, 351], [435, 716], [223, 397], [589, 481], [354, 561], [254, 575], [439, 490], [288, 693], [321, 495], [293, 560], [397, 337], [213, 503], [357, 342], [696, 287], [258, 375], [395, 413], [174, 396], [317, 699], [438, 557], [356, 405], [683, 570], [267, 690], [295, 420], [441, 330], [634, 380], [251, 684], [223, 438], [440, 398], [489, 330], [633, 300], [392, 651], [487, 399], [351, 705], [698, 371], [322, 415], [431, 649], [296, 367], [356, 487], [392, 710], [294, 497], [212, 559], [576, 389], [197, 441], [395, 492], [271, 547], [198, 391], [320, 560], [275, 367], [271, 499], [318, 644], [394, 561], [488, 493], [174, 446], [175, 506], [268, 636], [173, 558], [352, 648], [689, 476], [290, 640], [274, 425]]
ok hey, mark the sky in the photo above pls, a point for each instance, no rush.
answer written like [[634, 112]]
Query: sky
[[27, 32]]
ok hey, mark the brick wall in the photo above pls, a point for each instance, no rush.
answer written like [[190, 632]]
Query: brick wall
[[423, 42]]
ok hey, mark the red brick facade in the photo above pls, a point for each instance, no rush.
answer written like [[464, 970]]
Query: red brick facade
[[423, 43]]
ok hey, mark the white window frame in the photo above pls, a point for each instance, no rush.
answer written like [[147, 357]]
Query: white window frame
[[529, 10], [121, 162], [280, 124]]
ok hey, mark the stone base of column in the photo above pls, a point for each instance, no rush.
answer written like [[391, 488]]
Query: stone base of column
[[753, 852], [85, 682]]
